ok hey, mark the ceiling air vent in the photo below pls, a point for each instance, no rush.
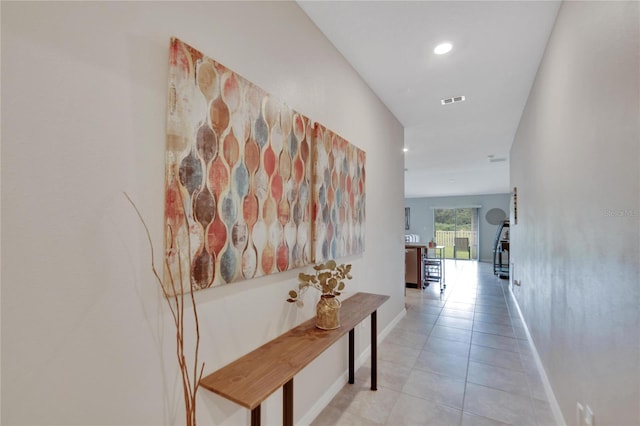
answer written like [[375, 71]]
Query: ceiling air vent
[[453, 100], [494, 159]]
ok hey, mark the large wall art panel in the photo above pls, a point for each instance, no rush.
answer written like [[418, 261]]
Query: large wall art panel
[[338, 196], [238, 177]]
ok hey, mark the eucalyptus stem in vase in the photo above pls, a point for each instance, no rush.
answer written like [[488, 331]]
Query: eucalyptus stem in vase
[[329, 279]]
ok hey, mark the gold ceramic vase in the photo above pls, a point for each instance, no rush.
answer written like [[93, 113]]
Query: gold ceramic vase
[[328, 312]]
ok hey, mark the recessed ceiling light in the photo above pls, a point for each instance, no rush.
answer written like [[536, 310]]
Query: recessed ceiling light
[[405, 149], [443, 48]]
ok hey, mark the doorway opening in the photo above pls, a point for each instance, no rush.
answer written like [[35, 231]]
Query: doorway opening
[[456, 229]]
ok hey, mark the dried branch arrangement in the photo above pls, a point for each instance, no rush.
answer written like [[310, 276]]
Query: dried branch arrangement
[[176, 301]]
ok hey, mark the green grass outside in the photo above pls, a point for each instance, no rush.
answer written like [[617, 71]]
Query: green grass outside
[[448, 253]]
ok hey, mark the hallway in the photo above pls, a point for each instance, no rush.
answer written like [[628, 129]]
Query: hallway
[[463, 360]]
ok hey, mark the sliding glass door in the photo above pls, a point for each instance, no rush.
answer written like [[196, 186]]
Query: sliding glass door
[[456, 230]]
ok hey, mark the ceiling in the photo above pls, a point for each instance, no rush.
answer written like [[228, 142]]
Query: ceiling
[[497, 47]]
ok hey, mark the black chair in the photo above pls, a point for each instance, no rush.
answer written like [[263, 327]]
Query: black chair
[[461, 244]]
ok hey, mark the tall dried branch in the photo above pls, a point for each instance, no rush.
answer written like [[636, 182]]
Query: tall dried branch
[[176, 302]]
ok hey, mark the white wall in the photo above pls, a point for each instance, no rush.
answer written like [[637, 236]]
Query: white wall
[[86, 336], [422, 216], [576, 247]]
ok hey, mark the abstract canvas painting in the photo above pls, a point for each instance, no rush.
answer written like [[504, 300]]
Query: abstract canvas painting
[[238, 179], [338, 196]]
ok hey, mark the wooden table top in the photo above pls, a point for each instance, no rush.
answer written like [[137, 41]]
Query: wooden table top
[[250, 379]]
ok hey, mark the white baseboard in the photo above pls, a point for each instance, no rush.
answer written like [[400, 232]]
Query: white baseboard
[[384, 333], [324, 400], [553, 402], [333, 390]]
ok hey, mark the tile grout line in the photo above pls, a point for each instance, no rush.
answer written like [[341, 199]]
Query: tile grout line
[[466, 376]]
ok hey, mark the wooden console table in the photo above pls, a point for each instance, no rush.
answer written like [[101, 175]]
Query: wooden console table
[[249, 380]]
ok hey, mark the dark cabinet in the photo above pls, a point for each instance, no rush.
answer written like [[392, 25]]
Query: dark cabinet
[[414, 272]]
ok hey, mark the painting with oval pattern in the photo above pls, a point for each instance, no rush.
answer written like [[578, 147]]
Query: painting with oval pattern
[[238, 177], [338, 196]]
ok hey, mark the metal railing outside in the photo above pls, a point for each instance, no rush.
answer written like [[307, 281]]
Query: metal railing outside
[[447, 239]]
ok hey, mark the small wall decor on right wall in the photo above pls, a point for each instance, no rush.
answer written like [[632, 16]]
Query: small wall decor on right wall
[[515, 205]]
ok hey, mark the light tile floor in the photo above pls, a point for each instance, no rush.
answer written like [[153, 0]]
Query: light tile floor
[[458, 359]]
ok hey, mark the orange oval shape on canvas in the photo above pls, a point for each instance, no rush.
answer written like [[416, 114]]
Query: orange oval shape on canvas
[[269, 161], [231, 92], [219, 114], [250, 210], [269, 210], [282, 261], [231, 149], [268, 258], [216, 236], [252, 156]]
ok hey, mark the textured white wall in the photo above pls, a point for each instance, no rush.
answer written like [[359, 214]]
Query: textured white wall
[[86, 337], [576, 247]]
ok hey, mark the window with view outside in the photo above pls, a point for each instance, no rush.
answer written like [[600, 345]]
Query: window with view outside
[[461, 223]]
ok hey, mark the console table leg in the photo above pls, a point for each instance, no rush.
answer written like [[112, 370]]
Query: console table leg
[[351, 356], [374, 350], [287, 403], [255, 416]]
